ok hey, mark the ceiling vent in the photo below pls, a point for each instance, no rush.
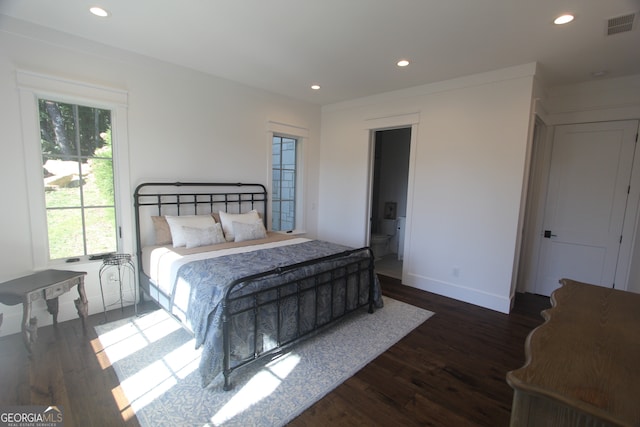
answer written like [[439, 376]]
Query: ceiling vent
[[620, 24]]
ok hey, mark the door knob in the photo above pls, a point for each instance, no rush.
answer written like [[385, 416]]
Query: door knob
[[548, 235]]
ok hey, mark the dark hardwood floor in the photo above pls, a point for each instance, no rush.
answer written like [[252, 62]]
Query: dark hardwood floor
[[450, 371]]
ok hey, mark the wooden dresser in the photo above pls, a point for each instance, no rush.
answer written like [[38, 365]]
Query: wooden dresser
[[583, 364]]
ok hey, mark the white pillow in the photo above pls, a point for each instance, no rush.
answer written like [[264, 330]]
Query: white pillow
[[203, 236], [228, 219], [253, 231], [176, 224]]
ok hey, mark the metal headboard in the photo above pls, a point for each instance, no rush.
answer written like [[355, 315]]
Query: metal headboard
[[184, 198]]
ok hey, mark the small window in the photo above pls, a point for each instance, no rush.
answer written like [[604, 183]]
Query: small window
[[283, 183], [77, 167]]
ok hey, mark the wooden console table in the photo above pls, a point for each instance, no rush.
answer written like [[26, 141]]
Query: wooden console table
[[583, 364], [47, 285]]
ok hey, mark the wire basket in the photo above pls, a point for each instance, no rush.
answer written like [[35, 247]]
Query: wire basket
[[117, 259]]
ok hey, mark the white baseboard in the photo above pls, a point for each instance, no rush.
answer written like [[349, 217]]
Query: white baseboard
[[477, 297]]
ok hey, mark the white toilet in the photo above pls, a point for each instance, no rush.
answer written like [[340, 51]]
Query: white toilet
[[379, 242]]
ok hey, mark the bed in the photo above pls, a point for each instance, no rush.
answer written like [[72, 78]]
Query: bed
[[205, 256]]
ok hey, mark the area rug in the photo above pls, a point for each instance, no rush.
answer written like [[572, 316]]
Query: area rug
[[156, 364]]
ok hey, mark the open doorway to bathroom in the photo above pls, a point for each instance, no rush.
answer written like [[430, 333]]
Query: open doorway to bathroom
[[391, 150]]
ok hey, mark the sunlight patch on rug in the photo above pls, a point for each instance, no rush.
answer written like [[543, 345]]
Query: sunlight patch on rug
[[157, 366], [261, 385], [153, 380], [136, 334]]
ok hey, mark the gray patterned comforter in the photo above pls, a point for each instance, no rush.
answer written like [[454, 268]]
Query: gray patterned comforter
[[201, 286]]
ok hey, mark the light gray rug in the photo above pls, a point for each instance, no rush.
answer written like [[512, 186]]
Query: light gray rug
[[156, 364]]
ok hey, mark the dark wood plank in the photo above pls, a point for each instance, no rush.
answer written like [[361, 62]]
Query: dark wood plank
[[449, 371], [48, 385], [65, 371]]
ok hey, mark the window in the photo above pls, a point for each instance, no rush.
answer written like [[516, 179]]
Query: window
[[286, 176], [283, 181], [77, 164]]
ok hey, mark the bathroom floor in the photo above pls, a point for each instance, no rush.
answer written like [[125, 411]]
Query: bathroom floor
[[390, 266]]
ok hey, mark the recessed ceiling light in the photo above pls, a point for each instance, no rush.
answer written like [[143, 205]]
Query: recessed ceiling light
[[98, 11], [402, 63], [563, 19], [315, 87]]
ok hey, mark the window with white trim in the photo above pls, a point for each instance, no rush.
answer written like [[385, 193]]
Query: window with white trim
[[76, 144], [286, 177]]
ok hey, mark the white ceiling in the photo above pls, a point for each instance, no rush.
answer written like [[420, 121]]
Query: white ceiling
[[350, 47]]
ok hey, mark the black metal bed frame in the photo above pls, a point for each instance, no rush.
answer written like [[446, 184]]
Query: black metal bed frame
[[238, 301]]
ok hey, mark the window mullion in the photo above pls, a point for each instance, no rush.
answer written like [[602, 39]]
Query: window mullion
[[280, 190], [76, 125]]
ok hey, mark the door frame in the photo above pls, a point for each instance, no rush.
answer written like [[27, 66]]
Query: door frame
[[536, 203], [385, 123]]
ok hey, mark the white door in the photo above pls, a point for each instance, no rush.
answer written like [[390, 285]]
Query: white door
[[586, 202]]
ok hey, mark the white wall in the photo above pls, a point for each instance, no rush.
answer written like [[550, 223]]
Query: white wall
[[182, 125], [594, 101], [468, 165]]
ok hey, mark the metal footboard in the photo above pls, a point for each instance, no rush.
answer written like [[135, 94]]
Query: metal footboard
[[349, 284]]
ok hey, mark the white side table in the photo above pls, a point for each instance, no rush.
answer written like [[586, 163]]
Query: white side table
[[47, 285]]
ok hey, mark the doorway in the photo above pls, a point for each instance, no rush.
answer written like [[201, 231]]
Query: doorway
[[390, 180]]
